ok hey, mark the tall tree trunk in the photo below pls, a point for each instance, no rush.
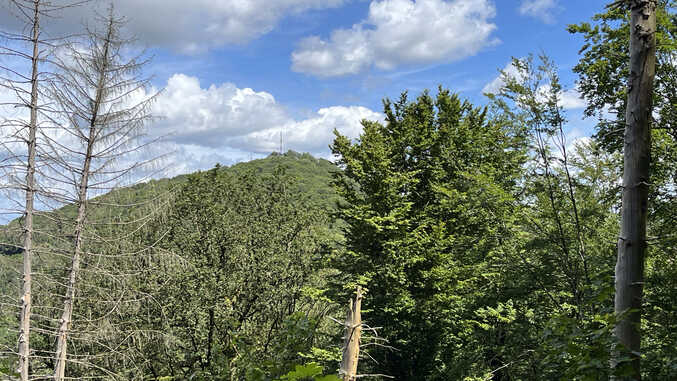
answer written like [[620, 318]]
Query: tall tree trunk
[[67, 313], [25, 319], [637, 149]]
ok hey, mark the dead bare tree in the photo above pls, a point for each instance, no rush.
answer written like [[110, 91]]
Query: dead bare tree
[[27, 45], [632, 241], [101, 106], [27, 98]]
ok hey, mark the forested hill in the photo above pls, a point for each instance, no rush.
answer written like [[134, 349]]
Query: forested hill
[[311, 177], [228, 225]]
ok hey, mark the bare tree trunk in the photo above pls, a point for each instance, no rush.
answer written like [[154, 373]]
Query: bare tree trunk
[[351, 345], [25, 319], [67, 313], [632, 239]]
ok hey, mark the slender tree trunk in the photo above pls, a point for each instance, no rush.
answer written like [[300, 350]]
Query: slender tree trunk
[[25, 319], [351, 346], [67, 313], [632, 239], [574, 204]]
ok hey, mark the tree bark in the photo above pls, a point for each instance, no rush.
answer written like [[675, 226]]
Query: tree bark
[[636, 158], [25, 318]]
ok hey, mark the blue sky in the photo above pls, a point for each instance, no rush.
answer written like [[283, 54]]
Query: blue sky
[[238, 73]]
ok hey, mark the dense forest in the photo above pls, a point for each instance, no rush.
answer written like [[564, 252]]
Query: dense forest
[[486, 244]]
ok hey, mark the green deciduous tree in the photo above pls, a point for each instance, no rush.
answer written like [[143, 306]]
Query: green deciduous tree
[[604, 69], [427, 196], [567, 228]]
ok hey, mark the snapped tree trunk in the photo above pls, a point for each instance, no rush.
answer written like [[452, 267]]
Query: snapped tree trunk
[[636, 158], [25, 317], [351, 345]]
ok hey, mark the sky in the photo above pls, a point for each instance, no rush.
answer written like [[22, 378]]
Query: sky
[[235, 75]]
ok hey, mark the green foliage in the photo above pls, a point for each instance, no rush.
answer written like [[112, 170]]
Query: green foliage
[[485, 240], [427, 197], [311, 176], [603, 70], [567, 232], [7, 340], [239, 302], [310, 371], [6, 368], [244, 209]]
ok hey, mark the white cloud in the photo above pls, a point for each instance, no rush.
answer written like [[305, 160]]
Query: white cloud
[[188, 26], [543, 10], [568, 99], [186, 158], [497, 83], [573, 139], [225, 123], [310, 135], [198, 126], [206, 116], [571, 99], [13, 117], [400, 32]]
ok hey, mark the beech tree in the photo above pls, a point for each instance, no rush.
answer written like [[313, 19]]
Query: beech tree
[[566, 228], [604, 70], [632, 240], [249, 249], [427, 202]]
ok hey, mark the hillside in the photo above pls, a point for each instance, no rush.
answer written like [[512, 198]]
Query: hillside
[[226, 205], [312, 175], [312, 178]]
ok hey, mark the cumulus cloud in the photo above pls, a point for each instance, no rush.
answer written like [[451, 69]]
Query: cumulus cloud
[[571, 99], [224, 123], [13, 117], [179, 159], [543, 10], [574, 139], [400, 32], [198, 126], [310, 135], [568, 99], [187, 26], [204, 116], [497, 83]]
